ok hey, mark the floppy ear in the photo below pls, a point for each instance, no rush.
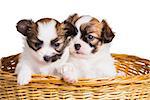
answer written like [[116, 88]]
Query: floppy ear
[[23, 25], [70, 29], [107, 34], [72, 18]]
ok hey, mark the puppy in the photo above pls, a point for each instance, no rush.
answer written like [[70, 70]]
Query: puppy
[[89, 50], [45, 48]]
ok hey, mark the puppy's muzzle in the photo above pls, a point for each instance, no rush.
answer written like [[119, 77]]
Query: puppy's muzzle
[[52, 58], [77, 46], [47, 58]]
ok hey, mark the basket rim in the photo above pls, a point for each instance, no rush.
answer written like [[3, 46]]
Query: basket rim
[[86, 81], [82, 84]]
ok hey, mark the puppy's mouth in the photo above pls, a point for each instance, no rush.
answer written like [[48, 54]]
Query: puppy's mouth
[[78, 54], [51, 59], [81, 53], [55, 57]]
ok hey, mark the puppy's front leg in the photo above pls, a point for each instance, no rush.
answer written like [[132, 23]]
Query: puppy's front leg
[[69, 73], [24, 75]]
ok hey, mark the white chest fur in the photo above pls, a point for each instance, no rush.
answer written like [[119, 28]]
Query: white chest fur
[[98, 65]]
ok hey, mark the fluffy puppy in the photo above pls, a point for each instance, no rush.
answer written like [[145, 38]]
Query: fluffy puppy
[[45, 48], [89, 50]]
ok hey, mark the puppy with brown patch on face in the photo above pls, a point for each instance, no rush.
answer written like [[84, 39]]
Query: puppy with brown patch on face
[[46, 48], [89, 50]]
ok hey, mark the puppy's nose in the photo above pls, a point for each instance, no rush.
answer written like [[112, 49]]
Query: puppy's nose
[[77, 46], [47, 58]]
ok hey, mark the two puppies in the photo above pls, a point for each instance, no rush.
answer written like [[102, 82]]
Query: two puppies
[[76, 48]]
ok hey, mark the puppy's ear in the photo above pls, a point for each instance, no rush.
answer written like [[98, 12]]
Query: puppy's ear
[[72, 18], [23, 25], [107, 34], [70, 29]]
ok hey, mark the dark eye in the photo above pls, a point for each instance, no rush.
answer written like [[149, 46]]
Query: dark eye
[[56, 45], [38, 44], [90, 37]]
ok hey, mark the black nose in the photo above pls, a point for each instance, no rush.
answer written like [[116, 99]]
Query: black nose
[[77, 46], [47, 58]]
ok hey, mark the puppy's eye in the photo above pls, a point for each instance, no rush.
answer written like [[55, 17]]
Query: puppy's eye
[[38, 44], [56, 45], [90, 37]]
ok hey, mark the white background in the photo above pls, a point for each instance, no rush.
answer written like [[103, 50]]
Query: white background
[[129, 19]]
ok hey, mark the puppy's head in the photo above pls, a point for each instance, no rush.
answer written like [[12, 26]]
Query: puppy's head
[[91, 35], [44, 39]]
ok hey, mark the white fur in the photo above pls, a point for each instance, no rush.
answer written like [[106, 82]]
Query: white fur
[[87, 64], [31, 62], [96, 65], [84, 50], [46, 33], [83, 19]]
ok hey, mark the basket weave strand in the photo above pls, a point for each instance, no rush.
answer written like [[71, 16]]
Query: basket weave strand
[[135, 85]]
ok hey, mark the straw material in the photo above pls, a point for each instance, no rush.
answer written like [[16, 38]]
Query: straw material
[[135, 85]]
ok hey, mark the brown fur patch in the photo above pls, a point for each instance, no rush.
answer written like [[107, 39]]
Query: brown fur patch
[[73, 18], [32, 39], [29, 29], [60, 29], [107, 34], [44, 20], [66, 31], [92, 28], [25, 26]]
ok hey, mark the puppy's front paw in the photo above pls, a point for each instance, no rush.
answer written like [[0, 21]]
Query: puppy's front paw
[[23, 78], [70, 79], [69, 74]]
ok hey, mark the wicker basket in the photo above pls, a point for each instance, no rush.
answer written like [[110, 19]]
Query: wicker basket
[[135, 85]]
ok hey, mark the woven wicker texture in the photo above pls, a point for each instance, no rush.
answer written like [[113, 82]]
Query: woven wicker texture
[[135, 85]]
